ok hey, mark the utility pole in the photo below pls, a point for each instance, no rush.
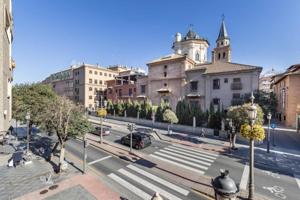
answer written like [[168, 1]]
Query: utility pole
[[269, 116], [101, 121], [130, 127], [84, 154]]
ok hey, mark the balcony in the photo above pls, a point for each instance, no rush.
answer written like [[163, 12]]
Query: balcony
[[236, 86]]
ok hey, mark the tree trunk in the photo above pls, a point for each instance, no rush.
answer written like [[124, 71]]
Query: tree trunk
[[61, 158]]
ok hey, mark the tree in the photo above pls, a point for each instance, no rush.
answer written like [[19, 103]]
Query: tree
[[67, 120], [170, 117], [160, 111], [239, 115], [110, 107], [31, 98]]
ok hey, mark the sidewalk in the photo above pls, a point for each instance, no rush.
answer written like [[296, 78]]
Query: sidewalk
[[78, 187]]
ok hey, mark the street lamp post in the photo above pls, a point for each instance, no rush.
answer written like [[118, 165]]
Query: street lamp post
[[252, 112], [27, 117], [269, 116]]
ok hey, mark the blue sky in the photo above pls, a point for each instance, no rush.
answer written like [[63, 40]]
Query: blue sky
[[49, 35]]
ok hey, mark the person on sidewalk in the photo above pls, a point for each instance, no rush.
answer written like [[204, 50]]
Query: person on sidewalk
[[156, 196], [202, 132]]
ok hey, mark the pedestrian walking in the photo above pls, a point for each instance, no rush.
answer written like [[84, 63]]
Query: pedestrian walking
[[202, 132]]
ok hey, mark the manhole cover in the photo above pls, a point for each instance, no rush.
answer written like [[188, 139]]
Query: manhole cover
[[53, 187], [43, 191]]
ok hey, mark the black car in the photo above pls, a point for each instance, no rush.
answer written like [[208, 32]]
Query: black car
[[139, 140]]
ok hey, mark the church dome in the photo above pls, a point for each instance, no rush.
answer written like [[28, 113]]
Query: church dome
[[191, 35]]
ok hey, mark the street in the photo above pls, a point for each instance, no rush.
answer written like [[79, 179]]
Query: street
[[275, 182]]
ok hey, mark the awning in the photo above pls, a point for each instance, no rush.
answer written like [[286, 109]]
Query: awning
[[163, 90], [141, 96], [193, 95]]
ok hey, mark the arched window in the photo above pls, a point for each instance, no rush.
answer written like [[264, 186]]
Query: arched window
[[219, 56], [197, 57], [224, 54]]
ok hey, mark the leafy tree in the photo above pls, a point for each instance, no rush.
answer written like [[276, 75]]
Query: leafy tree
[[67, 120], [110, 107], [137, 107], [170, 117], [239, 115], [119, 108], [215, 118], [160, 111], [31, 98]]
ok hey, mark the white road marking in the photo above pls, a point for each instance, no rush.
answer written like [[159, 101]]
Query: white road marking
[[244, 179], [192, 152], [186, 158], [175, 163], [101, 159], [190, 155], [130, 187], [197, 151], [148, 185], [297, 177], [159, 180], [182, 161]]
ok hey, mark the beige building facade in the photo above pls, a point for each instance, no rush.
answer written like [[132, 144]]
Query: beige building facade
[[7, 64], [187, 74], [286, 87]]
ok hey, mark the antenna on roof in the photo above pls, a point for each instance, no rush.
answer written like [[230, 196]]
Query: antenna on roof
[[191, 26], [223, 17]]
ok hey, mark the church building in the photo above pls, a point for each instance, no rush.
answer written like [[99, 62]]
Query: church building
[[187, 74]]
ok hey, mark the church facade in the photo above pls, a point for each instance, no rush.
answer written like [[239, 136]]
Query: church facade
[[187, 74]]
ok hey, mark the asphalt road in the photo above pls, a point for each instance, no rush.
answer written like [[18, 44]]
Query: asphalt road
[[132, 180], [276, 182]]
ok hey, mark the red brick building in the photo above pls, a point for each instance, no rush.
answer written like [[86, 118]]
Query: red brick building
[[123, 87]]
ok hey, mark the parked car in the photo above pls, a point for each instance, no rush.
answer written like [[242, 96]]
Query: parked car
[[139, 140], [105, 130]]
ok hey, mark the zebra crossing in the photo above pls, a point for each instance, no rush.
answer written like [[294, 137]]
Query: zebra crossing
[[144, 184], [191, 159]]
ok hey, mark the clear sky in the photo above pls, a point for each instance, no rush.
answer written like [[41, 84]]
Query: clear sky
[[49, 35]]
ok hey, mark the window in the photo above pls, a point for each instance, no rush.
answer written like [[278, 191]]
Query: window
[[166, 66], [90, 80], [53, 86], [143, 89], [130, 92], [221, 43], [216, 84], [225, 80], [109, 75], [236, 80], [194, 85], [216, 101], [194, 103], [224, 54], [95, 72], [116, 91], [110, 91], [197, 57], [90, 97], [134, 89], [219, 56], [105, 74], [100, 73], [90, 71], [165, 74], [165, 84], [100, 82], [96, 81], [236, 95], [90, 89], [120, 92]]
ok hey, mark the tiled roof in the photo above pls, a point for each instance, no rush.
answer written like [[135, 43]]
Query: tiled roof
[[167, 58], [223, 67]]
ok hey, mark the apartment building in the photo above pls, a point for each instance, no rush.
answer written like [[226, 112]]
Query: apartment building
[[286, 87], [7, 64], [62, 82], [123, 87], [90, 84], [187, 74]]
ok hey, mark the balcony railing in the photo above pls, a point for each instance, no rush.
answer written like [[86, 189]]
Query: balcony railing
[[236, 86]]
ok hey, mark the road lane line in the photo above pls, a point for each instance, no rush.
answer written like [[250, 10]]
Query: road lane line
[[189, 155], [101, 159], [191, 152], [197, 151], [159, 180], [182, 161], [244, 179], [185, 157], [297, 177], [130, 187], [178, 164], [148, 185]]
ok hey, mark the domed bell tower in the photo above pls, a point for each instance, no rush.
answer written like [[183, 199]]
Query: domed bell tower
[[222, 51]]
